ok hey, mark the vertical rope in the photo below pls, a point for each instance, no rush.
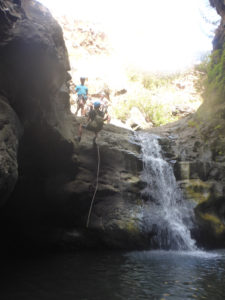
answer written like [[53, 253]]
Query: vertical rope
[[96, 188]]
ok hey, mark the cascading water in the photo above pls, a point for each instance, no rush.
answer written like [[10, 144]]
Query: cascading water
[[166, 213]]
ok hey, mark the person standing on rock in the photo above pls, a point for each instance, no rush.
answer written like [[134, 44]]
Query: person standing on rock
[[95, 121], [104, 107], [82, 94]]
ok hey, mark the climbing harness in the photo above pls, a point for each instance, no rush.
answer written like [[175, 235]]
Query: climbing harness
[[96, 188]]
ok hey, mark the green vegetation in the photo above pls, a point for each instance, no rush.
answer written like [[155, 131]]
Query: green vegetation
[[216, 224], [193, 124], [160, 97], [202, 70], [215, 85], [155, 81], [154, 111], [198, 190]]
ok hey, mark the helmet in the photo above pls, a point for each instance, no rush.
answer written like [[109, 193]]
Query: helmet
[[97, 104]]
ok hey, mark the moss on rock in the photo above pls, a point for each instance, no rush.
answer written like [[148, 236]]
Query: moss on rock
[[215, 224], [216, 76], [197, 190]]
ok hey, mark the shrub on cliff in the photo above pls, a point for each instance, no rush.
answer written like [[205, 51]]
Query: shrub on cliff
[[153, 111], [202, 70], [216, 76], [161, 98]]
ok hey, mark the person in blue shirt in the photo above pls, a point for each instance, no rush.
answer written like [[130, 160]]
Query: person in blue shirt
[[82, 93]]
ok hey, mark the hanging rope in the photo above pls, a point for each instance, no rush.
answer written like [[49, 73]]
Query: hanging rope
[[96, 188]]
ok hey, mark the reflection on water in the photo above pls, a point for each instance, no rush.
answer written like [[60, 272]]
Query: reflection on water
[[102, 276], [182, 275]]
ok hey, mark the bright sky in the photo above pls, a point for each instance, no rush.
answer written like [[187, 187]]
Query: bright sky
[[155, 35]]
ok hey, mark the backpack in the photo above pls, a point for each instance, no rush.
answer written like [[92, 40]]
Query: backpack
[[96, 124]]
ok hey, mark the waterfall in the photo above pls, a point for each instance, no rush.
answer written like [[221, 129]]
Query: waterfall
[[166, 212]]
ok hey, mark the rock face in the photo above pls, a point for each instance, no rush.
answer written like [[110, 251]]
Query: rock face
[[209, 123], [194, 146], [88, 36], [116, 216], [34, 116], [47, 179], [219, 38], [10, 131]]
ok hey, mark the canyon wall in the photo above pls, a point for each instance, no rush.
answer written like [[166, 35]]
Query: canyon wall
[[47, 179]]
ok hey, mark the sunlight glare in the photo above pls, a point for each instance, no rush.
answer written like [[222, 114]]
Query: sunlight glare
[[153, 35]]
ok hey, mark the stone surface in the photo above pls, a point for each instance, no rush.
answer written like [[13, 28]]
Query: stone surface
[[116, 217], [51, 178], [136, 120], [37, 146], [189, 145], [48, 179], [10, 131]]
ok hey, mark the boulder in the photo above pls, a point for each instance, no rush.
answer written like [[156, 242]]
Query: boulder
[[116, 216], [136, 120]]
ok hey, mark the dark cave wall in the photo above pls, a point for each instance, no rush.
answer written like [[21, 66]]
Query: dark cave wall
[[36, 126], [49, 178]]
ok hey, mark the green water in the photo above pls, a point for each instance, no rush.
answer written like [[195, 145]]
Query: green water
[[115, 276]]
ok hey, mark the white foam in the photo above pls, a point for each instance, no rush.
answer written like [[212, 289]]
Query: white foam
[[196, 253], [165, 209]]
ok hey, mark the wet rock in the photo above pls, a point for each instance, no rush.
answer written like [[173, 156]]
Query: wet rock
[[116, 216], [10, 132]]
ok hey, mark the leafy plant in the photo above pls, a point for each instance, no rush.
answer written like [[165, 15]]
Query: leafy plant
[[216, 76], [156, 95]]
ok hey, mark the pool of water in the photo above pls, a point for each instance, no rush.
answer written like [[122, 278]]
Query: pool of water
[[115, 276]]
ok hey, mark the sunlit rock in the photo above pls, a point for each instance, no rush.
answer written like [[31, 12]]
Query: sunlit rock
[[136, 120]]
